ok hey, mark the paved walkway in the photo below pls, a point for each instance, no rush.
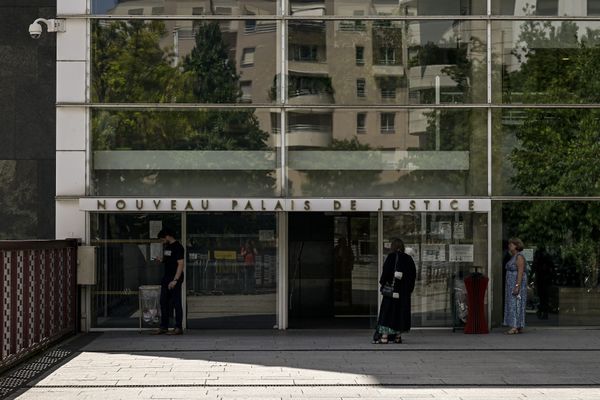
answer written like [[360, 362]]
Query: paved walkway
[[540, 364]]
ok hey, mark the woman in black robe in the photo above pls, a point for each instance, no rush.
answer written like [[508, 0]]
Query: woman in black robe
[[394, 314]]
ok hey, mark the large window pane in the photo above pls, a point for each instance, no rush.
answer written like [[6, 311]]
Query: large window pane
[[225, 61], [231, 270], [563, 258], [126, 245], [184, 7], [384, 7], [398, 152], [200, 152], [416, 62], [559, 8], [446, 247], [546, 61], [546, 152]]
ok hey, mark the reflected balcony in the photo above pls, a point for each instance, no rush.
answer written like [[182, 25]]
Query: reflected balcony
[[384, 69], [309, 96], [308, 67], [423, 77], [304, 135]]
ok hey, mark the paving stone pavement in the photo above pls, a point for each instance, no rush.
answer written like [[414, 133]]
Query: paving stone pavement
[[540, 364]]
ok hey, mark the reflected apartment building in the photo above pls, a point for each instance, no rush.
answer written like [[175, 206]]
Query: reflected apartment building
[[314, 132]]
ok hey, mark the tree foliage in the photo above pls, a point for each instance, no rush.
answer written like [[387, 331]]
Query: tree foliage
[[132, 65], [557, 151]]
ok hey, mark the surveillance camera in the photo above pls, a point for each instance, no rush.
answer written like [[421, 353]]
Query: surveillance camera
[[35, 30], [53, 25]]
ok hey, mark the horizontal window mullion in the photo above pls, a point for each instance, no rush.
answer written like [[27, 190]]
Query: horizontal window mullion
[[337, 17]]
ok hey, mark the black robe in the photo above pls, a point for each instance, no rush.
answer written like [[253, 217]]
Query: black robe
[[395, 313]]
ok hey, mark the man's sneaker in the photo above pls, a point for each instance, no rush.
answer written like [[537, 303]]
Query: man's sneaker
[[176, 331], [160, 331]]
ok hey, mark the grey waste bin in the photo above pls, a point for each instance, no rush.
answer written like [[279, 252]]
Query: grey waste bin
[[149, 296]]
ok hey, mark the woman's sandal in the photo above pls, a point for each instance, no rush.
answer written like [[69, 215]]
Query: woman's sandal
[[512, 331], [382, 340]]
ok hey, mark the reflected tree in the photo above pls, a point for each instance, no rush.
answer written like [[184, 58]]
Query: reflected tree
[[131, 65], [454, 129], [557, 151]]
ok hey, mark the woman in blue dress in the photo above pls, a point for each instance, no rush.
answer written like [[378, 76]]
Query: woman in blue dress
[[515, 295]]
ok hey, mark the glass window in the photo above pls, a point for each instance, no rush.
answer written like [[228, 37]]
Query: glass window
[[246, 91], [185, 7], [546, 152], [360, 55], [445, 247], [198, 152], [248, 57], [127, 245], [332, 270], [546, 61], [404, 59], [388, 90], [431, 153], [361, 123], [360, 88], [388, 123], [543, 7], [231, 274], [387, 56], [561, 249], [303, 53], [593, 8], [384, 7], [175, 61]]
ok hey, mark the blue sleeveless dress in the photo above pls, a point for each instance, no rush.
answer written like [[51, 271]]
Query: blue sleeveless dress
[[514, 306]]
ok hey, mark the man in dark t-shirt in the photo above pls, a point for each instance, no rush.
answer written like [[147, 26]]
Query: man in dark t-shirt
[[170, 293]]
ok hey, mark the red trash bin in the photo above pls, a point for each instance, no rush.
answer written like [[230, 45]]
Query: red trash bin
[[476, 285]]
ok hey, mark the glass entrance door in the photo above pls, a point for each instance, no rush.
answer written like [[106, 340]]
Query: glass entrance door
[[231, 272], [445, 247], [332, 270]]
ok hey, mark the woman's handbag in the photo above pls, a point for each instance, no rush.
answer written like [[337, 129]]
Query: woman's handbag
[[387, 289]]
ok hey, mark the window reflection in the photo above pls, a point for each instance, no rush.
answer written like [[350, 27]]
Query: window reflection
[[230, 61], [183, 61], [546, 152], [384, 7], [393, 62], [546, 7], [561, 248], [198, 152], [184, 7], [386, 152], [546, 61]]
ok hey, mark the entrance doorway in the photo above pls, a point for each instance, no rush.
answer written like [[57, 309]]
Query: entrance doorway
[[333, 270]]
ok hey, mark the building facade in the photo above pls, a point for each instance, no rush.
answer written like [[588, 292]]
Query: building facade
[[311, 133]]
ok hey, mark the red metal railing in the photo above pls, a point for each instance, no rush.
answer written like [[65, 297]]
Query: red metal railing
[[38, 295]]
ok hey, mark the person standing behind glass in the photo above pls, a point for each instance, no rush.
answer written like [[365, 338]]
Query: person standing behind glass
[[249, 253], [170, 290], [515, 295], [394, 314]]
